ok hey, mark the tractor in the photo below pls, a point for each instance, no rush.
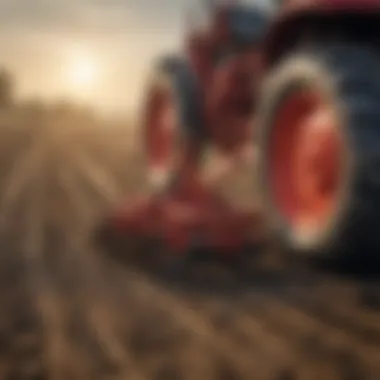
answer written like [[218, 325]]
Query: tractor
[[300, 87]]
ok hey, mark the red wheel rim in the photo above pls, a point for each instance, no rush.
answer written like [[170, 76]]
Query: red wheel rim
[[160, 130], [305, 163]]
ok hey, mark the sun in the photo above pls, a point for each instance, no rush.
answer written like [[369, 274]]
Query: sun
[[82, 73]]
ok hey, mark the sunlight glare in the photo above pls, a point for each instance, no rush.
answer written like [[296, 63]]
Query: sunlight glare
[[83, 73]]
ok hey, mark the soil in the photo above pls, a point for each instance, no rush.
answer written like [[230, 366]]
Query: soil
[[69, 311]]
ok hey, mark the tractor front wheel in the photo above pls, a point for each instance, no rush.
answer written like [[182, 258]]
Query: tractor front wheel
[[160, 128], [319, 152]]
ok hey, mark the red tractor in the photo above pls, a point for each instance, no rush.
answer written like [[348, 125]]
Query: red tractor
[[314, 119]]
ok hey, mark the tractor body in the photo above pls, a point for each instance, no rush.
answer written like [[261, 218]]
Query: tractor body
[[205, 97]]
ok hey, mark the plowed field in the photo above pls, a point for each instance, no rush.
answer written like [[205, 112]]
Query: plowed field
[[69, 312]]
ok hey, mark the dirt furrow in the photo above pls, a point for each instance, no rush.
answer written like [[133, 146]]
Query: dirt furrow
[[315, 336]]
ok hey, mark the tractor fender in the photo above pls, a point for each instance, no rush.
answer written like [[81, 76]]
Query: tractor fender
[[184, 84]]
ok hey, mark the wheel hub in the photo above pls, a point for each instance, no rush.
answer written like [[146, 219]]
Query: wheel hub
[[305, 161], [316, 156]]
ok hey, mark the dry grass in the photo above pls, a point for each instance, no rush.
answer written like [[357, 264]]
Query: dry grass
[[67, 312]]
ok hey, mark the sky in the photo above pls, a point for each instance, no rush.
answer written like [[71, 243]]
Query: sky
[[94, 51]]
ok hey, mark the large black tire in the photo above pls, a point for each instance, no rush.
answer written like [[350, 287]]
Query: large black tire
[[349, 76]]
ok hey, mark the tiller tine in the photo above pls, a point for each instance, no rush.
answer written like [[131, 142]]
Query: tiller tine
[[161, 232], [125, 233]]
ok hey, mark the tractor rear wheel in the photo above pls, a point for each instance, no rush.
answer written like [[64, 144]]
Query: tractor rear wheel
[[319, 152]]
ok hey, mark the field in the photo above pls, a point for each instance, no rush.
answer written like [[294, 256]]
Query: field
[[68, 311]]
